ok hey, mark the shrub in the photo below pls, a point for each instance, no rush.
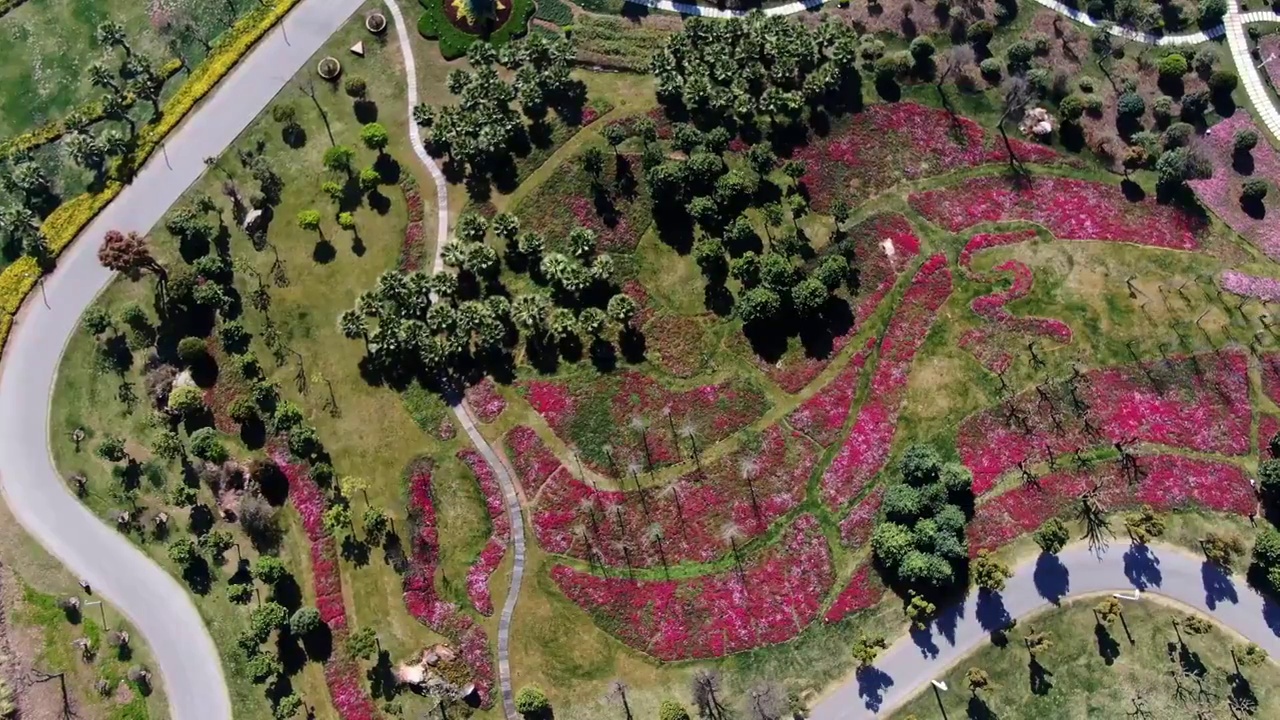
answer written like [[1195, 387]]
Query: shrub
[[1245, 140], [1212, 11], [192, 350], [267, 617], [980, 32], [305, 621], [672, 710], [531, 701], [1162, 109], [1131, 105], [263, 666], [1253, 191], [111, 449], [346, 221], [1093, 104], [922, 48], [369, 179], [242, 409], [233, 335], [186, 400], [1172, 66], [1019, 54], [268, 570], [1177, 135], [1071, 108], [240, 593], [1223, 81], [355, 87], [990, 68], [206, 445]]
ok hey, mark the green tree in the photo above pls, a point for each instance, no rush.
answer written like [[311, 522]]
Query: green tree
[[309, 220], [920, 611], [368, 179], [759, 305], [989, 573], [267, 617], [206, 445], [672, 710], [305, 622], [363, 643], [532, 702], [977, 680], [339, 158], [867, 648], [1143, 524], [186, 400], [1222, 548], [622, 308], [375, 137], [268, 570], [1108, 611], [1052, 536], [809, 296], [375, 523], [183, 553], [112, 449]]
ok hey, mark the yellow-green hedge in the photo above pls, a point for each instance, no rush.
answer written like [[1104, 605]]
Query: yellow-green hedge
[[64, 223]]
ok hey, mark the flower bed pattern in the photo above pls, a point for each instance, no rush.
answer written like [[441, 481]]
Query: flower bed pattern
[[768, 600], [485, 401], [534, 462], [866, 449], [420, 596], [889, 143], [1221, 192], [567, 200], [1244, 285], [592, 414], [341, 673], [822, 416], [413, 245], [884, 246], [650, 527], [987, 342], [863, 591], [1172, 482], [856, 527], [491, 556], [1200, 403], [1070, 209]]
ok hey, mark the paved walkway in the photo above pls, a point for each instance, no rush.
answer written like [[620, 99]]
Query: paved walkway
[[157, 605], [510, 497], [1253, 82], [909, 664]]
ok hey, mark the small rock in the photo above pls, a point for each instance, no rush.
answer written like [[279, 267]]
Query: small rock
[[358, 49]]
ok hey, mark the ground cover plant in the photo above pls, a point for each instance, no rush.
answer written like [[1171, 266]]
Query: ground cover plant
[[1240, 167]]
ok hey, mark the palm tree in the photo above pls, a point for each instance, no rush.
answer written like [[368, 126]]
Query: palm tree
[[530, 312], [352, 325], [689, 431], [748, 467], [101, 77], [654, 535], [111, 34], [731, 534], [639, 425]]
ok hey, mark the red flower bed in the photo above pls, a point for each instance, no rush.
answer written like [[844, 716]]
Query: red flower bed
[[1270, 363], [822, 416], [856, 527], [485, 400], [766, 600], [1070, 209], [1268, 426], [534, 462], [340, 672], [676, 342], [863, 591], [1171, 482], [884, 246], [636, 291], [749, 488], [639, 419], [985, 241], [1199, 403], [420, 596], [491, 556], [866, 449], [889, 143], [412, 247]]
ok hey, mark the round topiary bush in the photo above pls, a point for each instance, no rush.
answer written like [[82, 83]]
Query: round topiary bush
[[1131, 105], [1172, 66], [1223, 81], [305, 621], [206, 446], [1245, 140], [672, 710], [192, 350], [186, 400], [1253, 191], [355, 87], [532, 702]]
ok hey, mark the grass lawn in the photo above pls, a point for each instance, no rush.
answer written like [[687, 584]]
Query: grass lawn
[[1095, 671]]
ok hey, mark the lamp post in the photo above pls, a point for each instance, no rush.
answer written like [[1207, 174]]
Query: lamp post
[[940, 687]]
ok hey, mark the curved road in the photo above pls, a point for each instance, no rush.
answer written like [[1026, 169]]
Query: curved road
[[909, 664], [188, 663]]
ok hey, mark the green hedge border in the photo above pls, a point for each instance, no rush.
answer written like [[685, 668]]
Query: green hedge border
[[435, 25]]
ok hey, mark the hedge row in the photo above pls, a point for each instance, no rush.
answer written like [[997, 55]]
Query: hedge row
[[554, 11], [435, 25], [63, 224]]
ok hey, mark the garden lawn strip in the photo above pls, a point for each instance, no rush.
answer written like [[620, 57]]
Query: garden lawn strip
[[1071, 209], [885, 144], [496, 547], [1221, 192], [823, 415], [1169, 482], [420, 596], [341, 672], [1198, 402], [762, 600], [688, 520], [866, 448], [591, 416]]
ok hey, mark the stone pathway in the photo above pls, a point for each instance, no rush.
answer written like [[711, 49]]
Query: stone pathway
[[1253, 82], [500, 470]]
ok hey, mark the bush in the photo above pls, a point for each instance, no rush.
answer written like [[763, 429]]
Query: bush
[[1131, 105], [531, 701], [1172, 66], [369, 179], [1071, 108], [990, 68], [192, 350], [186, 400], [1245, 140], [268, 570], [922, 48], [1093, 104], [233, 335], [1019, 55], [1224, 81], [240, 593], [1253, 191], [305, 621], [355, 87], [263, 666], [672, 710], [111, 449], [1212, 11], [1162, 109], [206, 446], [267, 617], [1178, 135], [980, 33]]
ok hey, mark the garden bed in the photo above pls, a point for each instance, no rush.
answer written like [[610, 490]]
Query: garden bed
[[569, 199], [534, 461], [500, 536], [1221, 193], [822, 416]]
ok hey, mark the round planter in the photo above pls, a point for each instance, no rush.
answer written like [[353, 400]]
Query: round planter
[[329, 68], [375, 22]]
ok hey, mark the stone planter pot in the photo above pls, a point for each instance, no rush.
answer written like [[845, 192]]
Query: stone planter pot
[[375, 22], [329, 68]]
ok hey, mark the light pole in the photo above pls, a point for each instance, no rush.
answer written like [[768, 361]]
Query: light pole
[[940, 687]]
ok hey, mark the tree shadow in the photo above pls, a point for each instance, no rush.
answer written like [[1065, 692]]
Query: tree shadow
[[872, 682], [977, 709], [1188, 659], [924, 640], [1039, 677], [1051, 577], [1218, 585], [1108, 648], [319, 643], [295, 136], [992, 615], [324, 252], [1142, 567]]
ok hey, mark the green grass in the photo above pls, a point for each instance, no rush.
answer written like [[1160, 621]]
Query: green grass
[[615, 42], [1085, 684]]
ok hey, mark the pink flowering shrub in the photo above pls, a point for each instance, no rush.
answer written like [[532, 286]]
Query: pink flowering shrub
[[1268, 426], [340, 672], [534, 462], [822, 416], [420, 597], [491, 556], [884, 246], [683, 522], [856, 527], [1244, 285], [1221, 192], [1199, 403], [762, 600], [1071, 209], [1270, 366], [639, 420], [485, 400], [863, 591], [1170, 482], [866, 448], [889, 143]]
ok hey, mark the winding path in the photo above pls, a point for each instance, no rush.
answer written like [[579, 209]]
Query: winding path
[[160, 608], [510, 497], [909, 664]]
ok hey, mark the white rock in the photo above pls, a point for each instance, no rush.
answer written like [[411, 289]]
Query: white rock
[[358, 49]]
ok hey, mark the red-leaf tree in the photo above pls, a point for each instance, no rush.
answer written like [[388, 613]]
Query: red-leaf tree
[[129, 255]]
